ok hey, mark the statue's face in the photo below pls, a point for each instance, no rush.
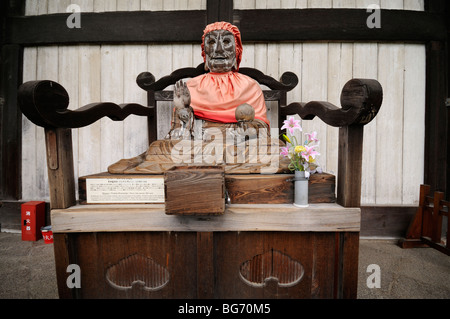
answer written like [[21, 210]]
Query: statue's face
[[220, 50]]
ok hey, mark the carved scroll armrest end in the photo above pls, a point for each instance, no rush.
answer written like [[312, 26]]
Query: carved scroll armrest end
[[361, 100], [46, 103], [145, 80]]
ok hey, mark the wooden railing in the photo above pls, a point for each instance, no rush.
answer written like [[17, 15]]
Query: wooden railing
[[426, 227]]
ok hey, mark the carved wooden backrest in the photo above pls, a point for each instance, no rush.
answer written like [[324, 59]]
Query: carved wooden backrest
[[45, 103]]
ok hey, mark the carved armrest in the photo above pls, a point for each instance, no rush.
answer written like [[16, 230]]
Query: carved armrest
[[360, 99], [45, 103]]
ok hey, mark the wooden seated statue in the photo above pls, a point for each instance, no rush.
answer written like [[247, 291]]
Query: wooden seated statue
[[215, 116], [219, 118]]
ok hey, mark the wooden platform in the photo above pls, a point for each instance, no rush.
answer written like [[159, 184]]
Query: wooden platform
[[251, 251], [139, 217]]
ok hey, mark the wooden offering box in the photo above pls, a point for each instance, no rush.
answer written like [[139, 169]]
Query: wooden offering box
[[195, 190]]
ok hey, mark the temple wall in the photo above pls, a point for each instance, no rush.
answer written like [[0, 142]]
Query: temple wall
[[393, 156]]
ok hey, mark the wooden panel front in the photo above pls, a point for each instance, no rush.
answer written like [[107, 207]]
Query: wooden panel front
[[313, 251], [209, 265], [98, 253]]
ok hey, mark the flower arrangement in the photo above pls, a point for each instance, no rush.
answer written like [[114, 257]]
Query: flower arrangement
[[303, 157]]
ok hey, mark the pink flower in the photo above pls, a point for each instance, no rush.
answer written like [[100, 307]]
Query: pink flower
[[310, 153], [312, 137], [291, 124], [284, 151]]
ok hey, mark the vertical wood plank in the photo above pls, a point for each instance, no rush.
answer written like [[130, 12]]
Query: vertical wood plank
[[112, 138], [205, 265], [340, 61], [390, 124], [47, 69], [128, 5], [350, 254], [291, 60], [135, 127], [365, 66], [418, 5], [315, 88], [244, 4], [272, 69], [61, 244], [344, 3], [85, 5], [436, 161], [363, 4], [414, 122], [151, 5], [68, 77], [89, 137], [10, 121], [156, 54], [42, 7], [391, 4], [31, 7], [323, 270], [319, 3], [57, 6], [29, 163]]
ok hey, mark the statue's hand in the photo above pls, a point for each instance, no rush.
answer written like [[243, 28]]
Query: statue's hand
[[181, 95]]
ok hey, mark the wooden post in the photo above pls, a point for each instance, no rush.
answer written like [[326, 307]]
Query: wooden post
[[436, 142], [350, 165], [61, 181], [414, 231]]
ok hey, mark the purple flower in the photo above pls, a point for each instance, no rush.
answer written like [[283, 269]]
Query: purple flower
[[312, 137], [310, 154], [284, 151], [291, 124]]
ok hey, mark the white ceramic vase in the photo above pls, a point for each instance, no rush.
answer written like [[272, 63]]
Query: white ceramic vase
[[300, 189]]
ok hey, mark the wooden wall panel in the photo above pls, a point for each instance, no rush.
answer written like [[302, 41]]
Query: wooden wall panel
[[393, 143]]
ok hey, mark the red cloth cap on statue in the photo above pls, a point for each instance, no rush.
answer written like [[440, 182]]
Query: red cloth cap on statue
[[229, 27]]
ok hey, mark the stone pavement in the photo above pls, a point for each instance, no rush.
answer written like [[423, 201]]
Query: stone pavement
[[27, 270]]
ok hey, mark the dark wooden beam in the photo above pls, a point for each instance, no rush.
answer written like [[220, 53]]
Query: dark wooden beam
[[255, 25], [10, 115], [109, 27], [338, 25]]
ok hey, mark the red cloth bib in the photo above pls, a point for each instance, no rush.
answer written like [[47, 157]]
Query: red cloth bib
[[215, 96]]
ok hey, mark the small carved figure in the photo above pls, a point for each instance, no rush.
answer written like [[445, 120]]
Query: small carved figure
[[182, 112]]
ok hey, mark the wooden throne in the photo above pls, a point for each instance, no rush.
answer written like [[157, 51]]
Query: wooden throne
[[255, 250]]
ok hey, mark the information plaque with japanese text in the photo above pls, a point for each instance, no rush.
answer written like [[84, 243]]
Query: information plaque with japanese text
[[124, 190]]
